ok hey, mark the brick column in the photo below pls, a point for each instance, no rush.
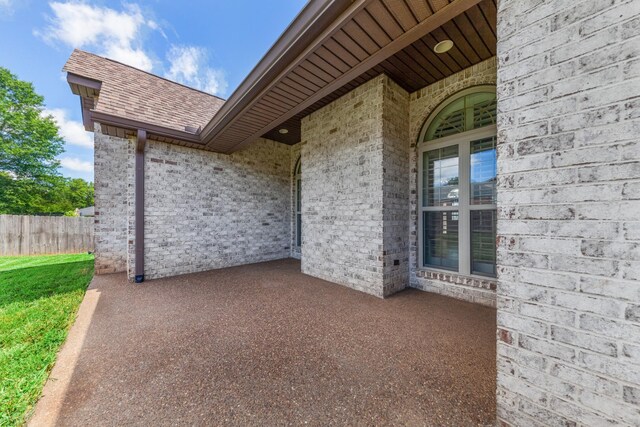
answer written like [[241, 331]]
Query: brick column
[[355, 189], [395, 187], [569, 211]]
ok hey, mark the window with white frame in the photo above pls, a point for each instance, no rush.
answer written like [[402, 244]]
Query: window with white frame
[[457, 185]]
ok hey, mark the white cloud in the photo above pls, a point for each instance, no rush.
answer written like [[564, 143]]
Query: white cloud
[[116, 34], [188, 65], [75, 164], [71, 131], [135, 57], [6, 8]]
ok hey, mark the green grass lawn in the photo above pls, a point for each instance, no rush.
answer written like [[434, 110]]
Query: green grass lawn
[[39, 297]]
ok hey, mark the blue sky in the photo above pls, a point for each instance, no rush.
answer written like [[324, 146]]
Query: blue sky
[[208, 44]]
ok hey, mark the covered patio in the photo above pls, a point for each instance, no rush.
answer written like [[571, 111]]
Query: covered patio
[[264, 344], [474, 149]]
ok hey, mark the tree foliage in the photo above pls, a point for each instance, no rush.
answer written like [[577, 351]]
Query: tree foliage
[[29, 144], [49, 195]]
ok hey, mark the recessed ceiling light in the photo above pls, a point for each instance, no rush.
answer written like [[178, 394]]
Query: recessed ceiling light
[[284, 131], [443, 46]]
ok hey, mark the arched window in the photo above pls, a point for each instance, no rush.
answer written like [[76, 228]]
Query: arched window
[[457, 184], [465, 113], [298, 182]]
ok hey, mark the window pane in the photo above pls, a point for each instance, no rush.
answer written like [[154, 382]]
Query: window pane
[[483, 242], [298, 194], [483, 171], [441, 239], [440, 177], [482, 108], [472, 111], [449, 121], [298, 229]]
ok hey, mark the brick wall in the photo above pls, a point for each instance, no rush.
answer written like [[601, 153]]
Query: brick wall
[[346, 192], [111, 164], [569, 211], [202, 210], [206, 210], [422, 103]]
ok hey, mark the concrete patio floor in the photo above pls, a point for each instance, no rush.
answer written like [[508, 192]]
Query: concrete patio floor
[[264, 344]]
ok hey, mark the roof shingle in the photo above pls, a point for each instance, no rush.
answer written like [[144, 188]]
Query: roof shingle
[[137, 95]]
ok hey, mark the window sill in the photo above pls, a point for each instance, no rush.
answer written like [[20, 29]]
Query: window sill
[[472, 280]]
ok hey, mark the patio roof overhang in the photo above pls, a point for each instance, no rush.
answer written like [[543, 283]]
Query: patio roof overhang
[[368, 38], [330, 48]]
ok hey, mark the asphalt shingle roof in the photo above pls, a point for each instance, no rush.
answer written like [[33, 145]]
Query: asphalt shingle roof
[[137, 95]]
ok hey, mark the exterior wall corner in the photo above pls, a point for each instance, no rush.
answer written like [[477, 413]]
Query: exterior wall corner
[[111, 171]]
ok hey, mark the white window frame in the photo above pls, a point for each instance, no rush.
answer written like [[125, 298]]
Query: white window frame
[[464, 208]]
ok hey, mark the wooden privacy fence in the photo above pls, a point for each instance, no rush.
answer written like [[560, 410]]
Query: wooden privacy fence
[[37, 235]]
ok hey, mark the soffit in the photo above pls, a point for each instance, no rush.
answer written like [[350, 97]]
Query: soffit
[[333, 65]]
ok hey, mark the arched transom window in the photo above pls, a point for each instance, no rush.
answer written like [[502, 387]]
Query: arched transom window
[[457, 185], [466, 112]]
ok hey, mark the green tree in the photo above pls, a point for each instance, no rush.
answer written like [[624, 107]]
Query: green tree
[[29, 143], [79, 193], [24, 196], [71, 194]]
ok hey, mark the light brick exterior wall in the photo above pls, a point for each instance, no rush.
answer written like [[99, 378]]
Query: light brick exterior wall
[[569, 213], [342, 190], [111, 164], [381, 135], [202, 210], [395, 195], [346, 193], [206, 210], [423, 102]]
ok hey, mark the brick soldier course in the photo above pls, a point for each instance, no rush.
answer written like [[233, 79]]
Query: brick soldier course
[[220, 178]]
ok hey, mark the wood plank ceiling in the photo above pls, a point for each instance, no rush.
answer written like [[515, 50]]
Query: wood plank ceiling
[[373, 27]]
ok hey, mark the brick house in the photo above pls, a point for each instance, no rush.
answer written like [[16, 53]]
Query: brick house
[[487, 153]]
